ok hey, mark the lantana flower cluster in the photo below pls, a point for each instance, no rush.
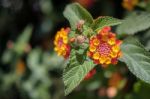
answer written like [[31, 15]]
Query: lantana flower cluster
[[61, 43], [104, 47]]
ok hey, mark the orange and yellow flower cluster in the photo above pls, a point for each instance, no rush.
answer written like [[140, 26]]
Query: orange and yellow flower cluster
[[129, 4], [61, 43], [104, 48]]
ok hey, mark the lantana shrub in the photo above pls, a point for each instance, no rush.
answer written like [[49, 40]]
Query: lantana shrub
[[89, 42]]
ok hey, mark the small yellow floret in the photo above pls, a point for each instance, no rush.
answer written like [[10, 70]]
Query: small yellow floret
[[111, 41], [96, 42], [92, 48], [96, 55]]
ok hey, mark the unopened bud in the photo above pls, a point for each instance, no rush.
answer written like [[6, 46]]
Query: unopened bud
[[72, 39], [81, 39], [80, 24]]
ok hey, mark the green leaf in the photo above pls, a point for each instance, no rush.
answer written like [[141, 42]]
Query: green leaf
[[75, 72], [81, 55], [75, 12], [72, 34], [135, 22], [104, 21], [136, 58]]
